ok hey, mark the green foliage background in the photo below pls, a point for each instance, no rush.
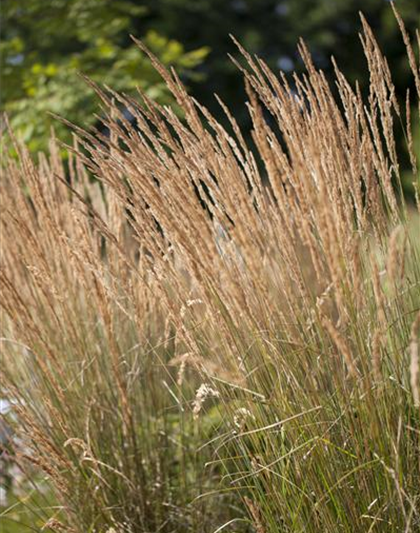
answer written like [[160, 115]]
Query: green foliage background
[[45, 44]]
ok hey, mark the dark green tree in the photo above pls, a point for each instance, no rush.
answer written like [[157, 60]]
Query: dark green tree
[[44, 44], [271, 29]]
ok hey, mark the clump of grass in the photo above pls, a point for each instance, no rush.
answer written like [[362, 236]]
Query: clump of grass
[[89, 362], [252, 363]]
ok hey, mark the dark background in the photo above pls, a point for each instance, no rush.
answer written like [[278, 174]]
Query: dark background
[[45, 43]]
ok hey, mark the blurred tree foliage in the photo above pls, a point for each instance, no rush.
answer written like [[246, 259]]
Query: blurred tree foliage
[[45, 43], [271, 29]]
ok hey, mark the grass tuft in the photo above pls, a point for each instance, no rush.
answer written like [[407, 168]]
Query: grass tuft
[[201, 337]]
